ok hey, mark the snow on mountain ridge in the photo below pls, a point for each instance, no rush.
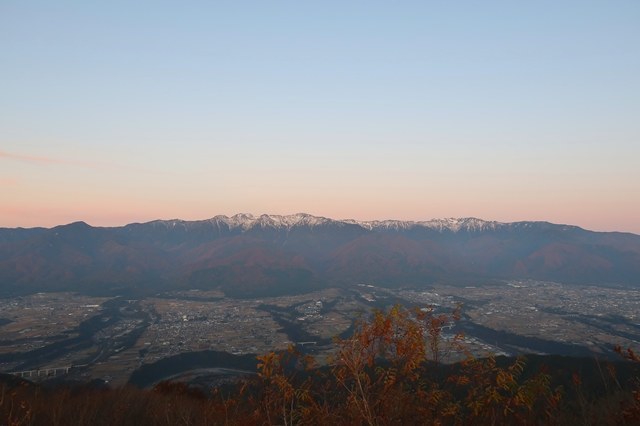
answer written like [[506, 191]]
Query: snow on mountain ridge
[[462, 224], [448, 224], [246, 222]]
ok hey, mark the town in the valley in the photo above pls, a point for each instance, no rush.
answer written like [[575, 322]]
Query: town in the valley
[[82, 337]]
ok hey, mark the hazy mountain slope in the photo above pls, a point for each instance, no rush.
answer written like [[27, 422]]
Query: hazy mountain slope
[[245, 254]]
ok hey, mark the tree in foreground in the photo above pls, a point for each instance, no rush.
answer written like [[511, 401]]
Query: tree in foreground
[[389, 372]]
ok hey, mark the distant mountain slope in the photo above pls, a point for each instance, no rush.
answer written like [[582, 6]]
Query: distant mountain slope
[[270, 254]]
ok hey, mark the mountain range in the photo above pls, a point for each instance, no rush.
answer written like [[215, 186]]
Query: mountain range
[[251, 256]]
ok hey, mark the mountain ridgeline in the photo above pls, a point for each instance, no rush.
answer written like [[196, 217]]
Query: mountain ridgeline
[[249, 256]]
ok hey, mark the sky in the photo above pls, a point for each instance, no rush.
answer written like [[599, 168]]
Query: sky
[[118, 112]]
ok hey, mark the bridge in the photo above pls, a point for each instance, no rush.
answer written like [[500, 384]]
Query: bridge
[[44, 372]]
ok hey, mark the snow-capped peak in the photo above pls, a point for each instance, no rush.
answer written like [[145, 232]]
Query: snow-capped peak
[[246, 221], [440, 225], [461, 224]]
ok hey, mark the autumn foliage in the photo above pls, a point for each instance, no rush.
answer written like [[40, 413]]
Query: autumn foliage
[[380, 376], [390, 371]]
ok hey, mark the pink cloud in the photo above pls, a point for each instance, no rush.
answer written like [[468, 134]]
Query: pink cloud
[[44, 160], [29, 158], [34, 159]]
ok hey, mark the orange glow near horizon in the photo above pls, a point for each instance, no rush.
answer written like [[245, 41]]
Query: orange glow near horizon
[[331, 108], [105, 214]]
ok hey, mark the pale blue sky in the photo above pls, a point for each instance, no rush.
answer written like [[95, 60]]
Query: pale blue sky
[[113, 112]]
